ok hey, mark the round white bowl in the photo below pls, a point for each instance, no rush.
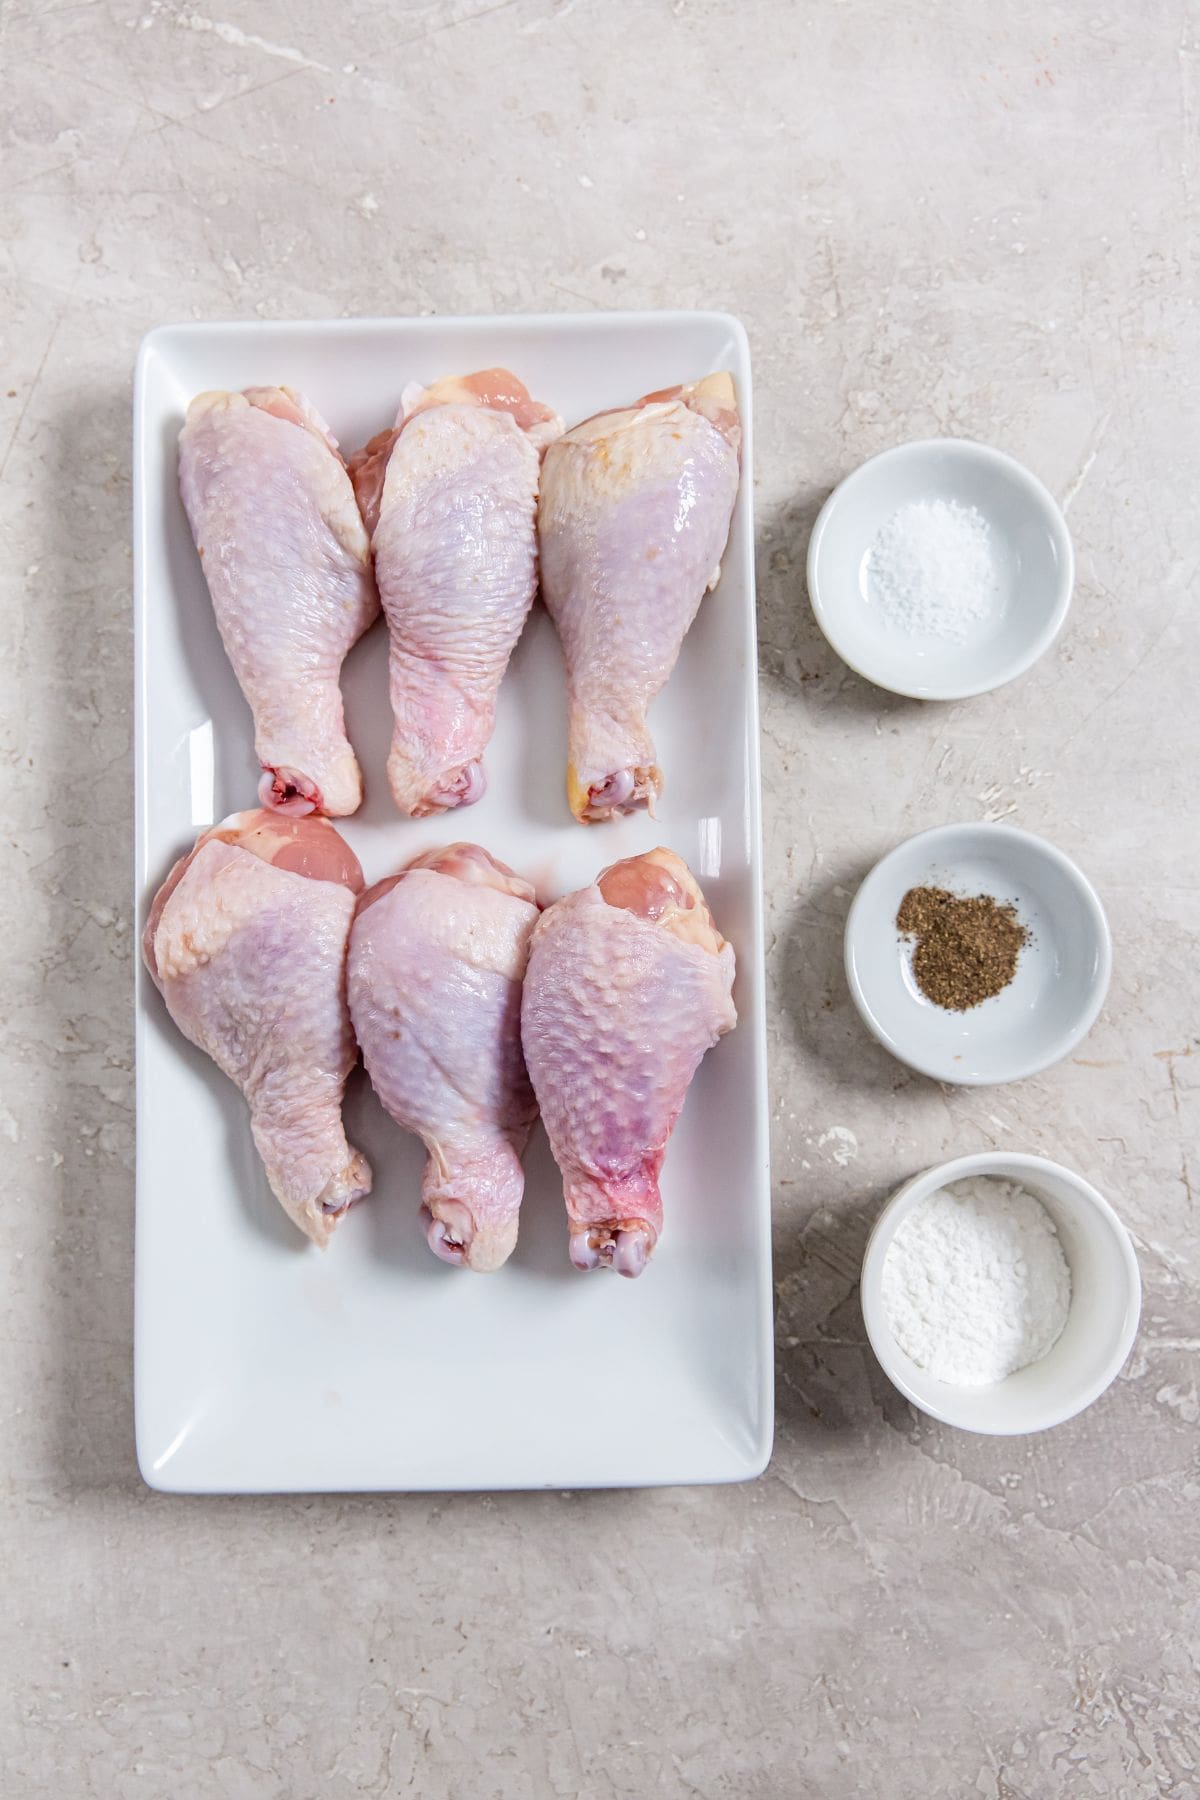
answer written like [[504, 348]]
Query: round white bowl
[[1062, 971], [1034, 559], [1106, 1298]]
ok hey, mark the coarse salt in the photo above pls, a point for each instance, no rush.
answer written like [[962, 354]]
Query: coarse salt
[[932, 569], [975, 1285]]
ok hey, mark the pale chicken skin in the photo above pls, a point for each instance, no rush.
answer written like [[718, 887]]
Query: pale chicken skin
[[437, 958], [288, 565], [629, 984], [246, 941], [633, 517], [450, 498]]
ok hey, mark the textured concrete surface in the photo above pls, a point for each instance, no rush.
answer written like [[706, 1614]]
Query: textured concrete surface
[[969, 219]]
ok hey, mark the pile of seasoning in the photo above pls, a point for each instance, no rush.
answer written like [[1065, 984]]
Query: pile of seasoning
[[932, 569], [975, 1282], [966, 949]]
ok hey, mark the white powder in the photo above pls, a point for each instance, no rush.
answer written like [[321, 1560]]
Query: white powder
[[932, 570], [975, 1283]]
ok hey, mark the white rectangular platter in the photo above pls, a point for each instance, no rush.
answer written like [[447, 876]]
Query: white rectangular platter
[[263, 1364]]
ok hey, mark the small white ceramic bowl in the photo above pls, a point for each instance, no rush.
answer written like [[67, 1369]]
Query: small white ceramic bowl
[[1106, 1298], [1034, 558], [1062, 970]]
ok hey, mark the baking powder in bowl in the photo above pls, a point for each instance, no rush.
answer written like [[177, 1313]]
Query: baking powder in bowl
[[975, 1283]]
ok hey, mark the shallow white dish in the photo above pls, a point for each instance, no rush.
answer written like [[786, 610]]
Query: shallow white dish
[[262, 1364], [1035, 566], [1106, 1298], [1062, 971]]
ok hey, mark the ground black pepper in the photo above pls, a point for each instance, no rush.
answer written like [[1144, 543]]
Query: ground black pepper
[[967, 949]]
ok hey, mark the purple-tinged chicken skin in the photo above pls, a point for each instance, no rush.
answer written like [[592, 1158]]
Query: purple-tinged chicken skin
[[629, 984], [246, 941], [437, 958], [288, 565], [450, 498], [633, 518]]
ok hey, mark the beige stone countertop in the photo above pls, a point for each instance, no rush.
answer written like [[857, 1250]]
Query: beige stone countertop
[[968, 219]]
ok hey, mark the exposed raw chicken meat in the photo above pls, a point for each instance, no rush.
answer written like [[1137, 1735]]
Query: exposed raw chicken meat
[[633, 519], [437, 957], [246, 941], [629, 983], [289, 570], [450, 497]]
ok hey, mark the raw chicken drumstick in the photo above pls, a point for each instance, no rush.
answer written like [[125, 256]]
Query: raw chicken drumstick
[[633, 519], [437, 957], [450, 498], [246, 942], [289, 570], [629, 983]]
